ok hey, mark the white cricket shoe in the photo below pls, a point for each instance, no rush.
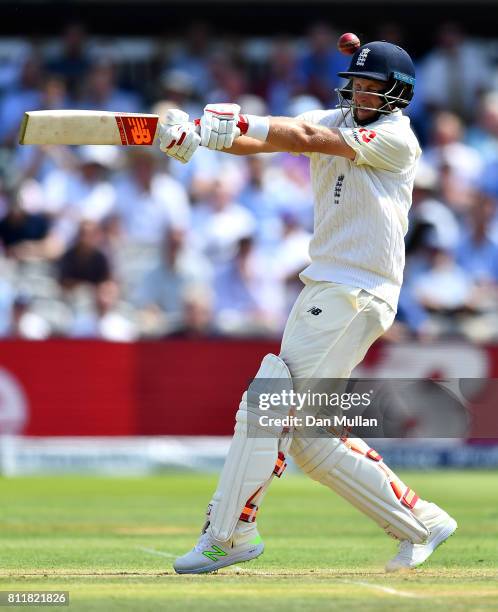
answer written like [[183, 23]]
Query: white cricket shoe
[[209, 555], [410, 555]]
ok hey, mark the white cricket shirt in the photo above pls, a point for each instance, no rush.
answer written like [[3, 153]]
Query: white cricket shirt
[[361, 206]]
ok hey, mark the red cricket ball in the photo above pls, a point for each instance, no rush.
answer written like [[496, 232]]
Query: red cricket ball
[[348, 43]]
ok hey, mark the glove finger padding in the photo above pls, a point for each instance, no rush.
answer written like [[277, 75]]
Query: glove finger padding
[[219, 125], [205, 124], [186, 144], [190, 151], [213, 140], [189, 145], [232, 132], [179, 141]]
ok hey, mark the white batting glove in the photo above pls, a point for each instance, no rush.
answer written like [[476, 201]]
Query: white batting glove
[[178, 137], [219, 126]]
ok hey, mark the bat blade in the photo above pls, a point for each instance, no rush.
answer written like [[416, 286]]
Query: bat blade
[[80, 127]]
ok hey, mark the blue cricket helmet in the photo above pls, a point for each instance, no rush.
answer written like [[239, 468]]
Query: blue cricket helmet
[[383, 61]]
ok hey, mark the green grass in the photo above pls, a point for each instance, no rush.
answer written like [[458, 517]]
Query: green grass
[[100, 538]]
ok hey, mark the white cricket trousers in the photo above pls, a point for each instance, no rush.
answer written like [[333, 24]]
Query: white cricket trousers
[[330, 328]]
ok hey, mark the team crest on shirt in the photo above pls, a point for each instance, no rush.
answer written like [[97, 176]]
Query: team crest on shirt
[[367, 135]]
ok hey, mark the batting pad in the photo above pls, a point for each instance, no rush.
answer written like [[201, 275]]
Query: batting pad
[[362, 479], [253, 453]]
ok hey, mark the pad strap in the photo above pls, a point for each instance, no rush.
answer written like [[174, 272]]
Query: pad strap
[[249, 512], [280, 465], [410, 498]]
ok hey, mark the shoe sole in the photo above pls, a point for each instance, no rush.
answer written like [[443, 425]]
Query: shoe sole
[[242, 557], [445, 533]]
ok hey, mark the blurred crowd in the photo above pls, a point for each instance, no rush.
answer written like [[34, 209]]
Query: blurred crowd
[[119, 244]]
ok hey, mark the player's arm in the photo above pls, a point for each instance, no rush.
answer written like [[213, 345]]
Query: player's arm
[[294, 136], [222, 127]]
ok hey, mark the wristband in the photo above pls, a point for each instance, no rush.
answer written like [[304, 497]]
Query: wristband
[[254, 126]]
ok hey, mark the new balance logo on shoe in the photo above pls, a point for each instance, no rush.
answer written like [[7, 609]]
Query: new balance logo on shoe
[[214, 553], [315, 310]]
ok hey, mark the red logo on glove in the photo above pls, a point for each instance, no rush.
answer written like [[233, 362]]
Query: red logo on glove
[[367, 135]]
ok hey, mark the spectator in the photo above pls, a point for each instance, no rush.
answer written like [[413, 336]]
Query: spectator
[[458, 70], [483, 135], [11, 63], [291, 256], [25, 323], [220, 223], [431, 221], [149, 201], [302, 104], [177, 87], [82, 193], [412, 317], [7, 297], [258, 198], [26, 96], [229, 80], [445, 288], [290, 186], [23, 234], [193, 57], [248, 300], [197, 315], [101, 91], [197, 175], [320, 64], [105, 320], [460, 166], [477, 252], [283, 82], [160, 295], [489, 180], [71, 60], [113, 237], [84, 262], [35, 161]]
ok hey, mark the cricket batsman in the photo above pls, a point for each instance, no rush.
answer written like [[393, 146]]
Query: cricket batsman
[[363, 159]]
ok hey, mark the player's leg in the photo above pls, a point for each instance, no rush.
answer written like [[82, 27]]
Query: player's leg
[[230, 532], [356, 472], [255, 456], [330, 346], [272, 376]]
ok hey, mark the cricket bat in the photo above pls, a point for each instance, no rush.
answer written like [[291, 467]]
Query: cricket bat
[[83, 127]]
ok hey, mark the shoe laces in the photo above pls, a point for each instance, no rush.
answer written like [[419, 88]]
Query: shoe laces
[[204, 542]]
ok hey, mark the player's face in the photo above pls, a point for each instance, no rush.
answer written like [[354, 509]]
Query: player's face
[[364, 95]]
